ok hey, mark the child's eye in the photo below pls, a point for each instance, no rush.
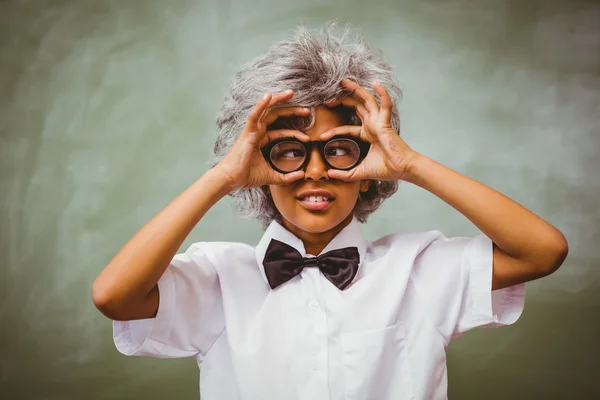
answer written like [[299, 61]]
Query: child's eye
[[290, 154], [337, 151]]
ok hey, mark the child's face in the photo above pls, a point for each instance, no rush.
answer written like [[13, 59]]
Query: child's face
[[298, 216]]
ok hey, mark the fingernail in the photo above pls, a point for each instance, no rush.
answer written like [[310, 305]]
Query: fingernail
[[265, 96], [289, 91], [376, 82]]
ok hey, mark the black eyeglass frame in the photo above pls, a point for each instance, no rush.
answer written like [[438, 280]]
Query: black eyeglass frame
[[308, 146]]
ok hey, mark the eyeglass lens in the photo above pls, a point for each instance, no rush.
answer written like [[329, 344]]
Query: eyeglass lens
[[339, 153]]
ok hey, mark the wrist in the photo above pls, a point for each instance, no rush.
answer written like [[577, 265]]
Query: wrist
[[220, 180], [415, 168]]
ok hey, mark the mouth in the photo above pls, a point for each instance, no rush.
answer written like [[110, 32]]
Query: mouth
[[316, 200]]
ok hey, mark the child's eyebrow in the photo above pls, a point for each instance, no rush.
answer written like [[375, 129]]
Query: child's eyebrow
[[293, 122], [303, 123]]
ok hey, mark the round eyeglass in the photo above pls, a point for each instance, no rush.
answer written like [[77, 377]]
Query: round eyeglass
[[287, 155]]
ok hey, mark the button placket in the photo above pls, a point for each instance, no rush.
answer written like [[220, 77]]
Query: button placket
[[317, 357]]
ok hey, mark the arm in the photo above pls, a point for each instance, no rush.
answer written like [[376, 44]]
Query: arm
[[127, 287], [526, 247]]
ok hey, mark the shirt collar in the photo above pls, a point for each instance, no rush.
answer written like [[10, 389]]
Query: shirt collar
[[350, 236]]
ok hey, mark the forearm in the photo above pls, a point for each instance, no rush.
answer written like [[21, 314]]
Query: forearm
[[137, 267], [515, 230]]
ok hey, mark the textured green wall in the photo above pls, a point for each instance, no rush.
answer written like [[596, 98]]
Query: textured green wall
[[107, 112]]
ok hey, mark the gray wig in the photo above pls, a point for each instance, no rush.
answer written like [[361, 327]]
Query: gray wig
[[313, 65]]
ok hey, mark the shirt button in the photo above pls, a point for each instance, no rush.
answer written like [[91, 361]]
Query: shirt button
[[313, 305]]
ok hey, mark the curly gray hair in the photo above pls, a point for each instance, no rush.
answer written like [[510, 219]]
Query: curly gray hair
[[313, 66]]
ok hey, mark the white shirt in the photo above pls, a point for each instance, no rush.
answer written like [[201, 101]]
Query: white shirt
[[382, 338]]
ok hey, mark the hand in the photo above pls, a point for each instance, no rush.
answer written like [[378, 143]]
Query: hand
[[244, 165], [389, 157]]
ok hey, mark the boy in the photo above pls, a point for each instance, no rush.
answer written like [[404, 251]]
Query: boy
[[315, 311]]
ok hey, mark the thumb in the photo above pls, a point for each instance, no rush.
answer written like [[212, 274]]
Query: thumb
[[286, 179], [345, 176]]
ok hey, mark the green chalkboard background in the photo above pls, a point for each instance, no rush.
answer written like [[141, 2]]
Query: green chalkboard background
[[107, 112]]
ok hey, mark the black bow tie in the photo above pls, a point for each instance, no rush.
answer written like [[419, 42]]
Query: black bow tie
[[282, 262]]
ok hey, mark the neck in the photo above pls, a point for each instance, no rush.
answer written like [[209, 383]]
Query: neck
[[315, 242]]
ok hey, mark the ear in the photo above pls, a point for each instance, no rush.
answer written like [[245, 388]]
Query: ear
[[365, 185]]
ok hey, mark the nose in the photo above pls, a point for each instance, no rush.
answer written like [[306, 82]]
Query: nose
[[316, 169]]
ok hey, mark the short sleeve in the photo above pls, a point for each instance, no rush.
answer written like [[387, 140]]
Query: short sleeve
[[453, 278], [190, 312]]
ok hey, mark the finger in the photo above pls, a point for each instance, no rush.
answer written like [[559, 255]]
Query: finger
[[281, 133], [273, 113], [386, 101], [257, 111], [361, 92], [352, 102], [262, 106], [278, 98], [281, 96], [345, 176], [286, 179], [352, 130]]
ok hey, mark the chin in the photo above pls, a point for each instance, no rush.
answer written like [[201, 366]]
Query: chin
[[316, 222], [312, 226]]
